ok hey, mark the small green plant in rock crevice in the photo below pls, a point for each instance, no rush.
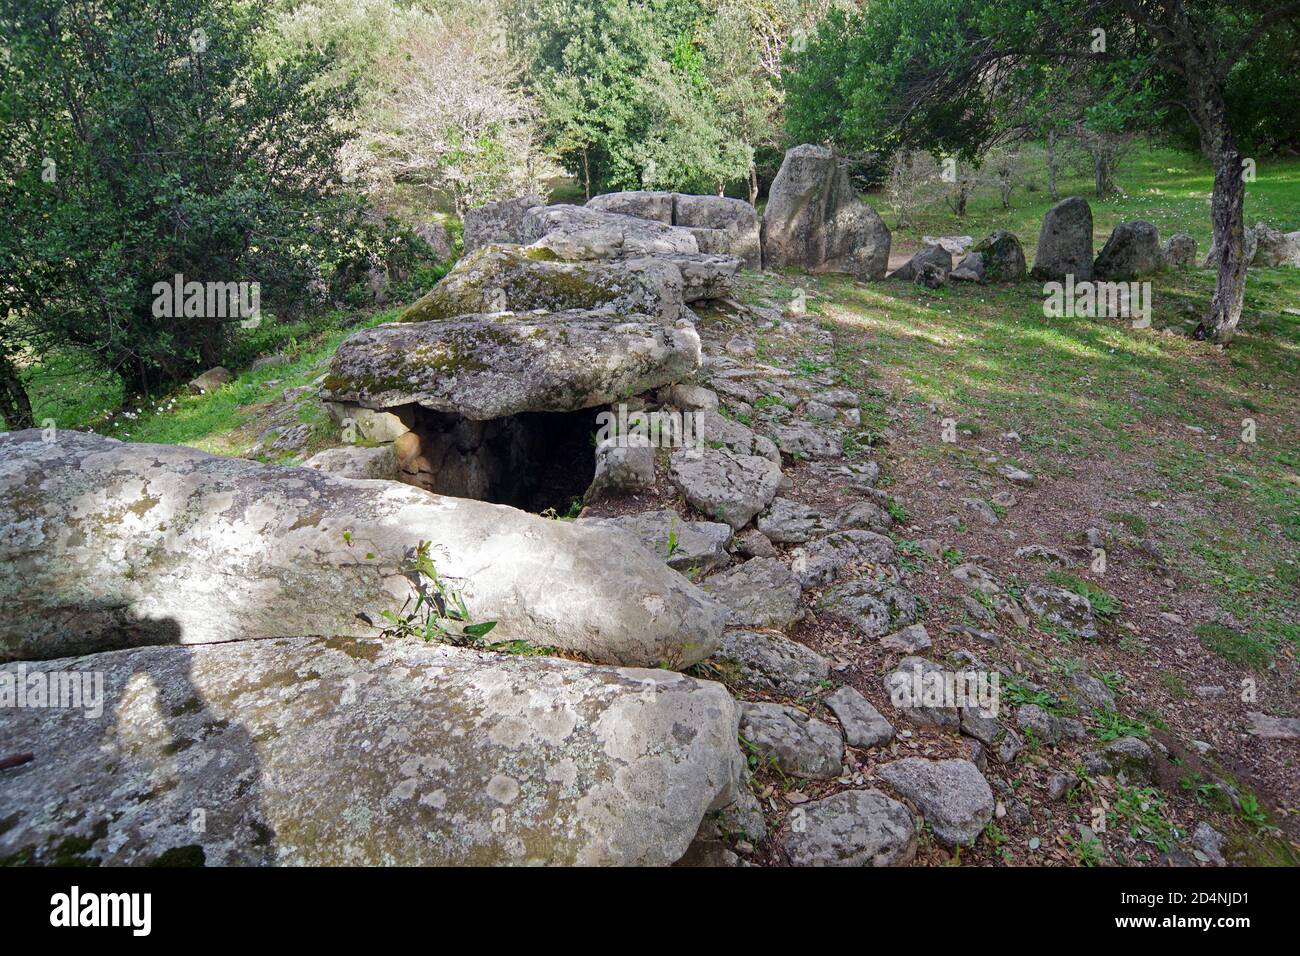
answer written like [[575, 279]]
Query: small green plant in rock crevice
[[439, 612]]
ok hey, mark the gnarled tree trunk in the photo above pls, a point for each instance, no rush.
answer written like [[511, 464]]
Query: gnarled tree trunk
[[1226, 213], [15, 406]]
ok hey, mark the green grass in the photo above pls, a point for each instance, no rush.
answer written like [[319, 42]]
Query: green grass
[[1095, 393], [224, 421]]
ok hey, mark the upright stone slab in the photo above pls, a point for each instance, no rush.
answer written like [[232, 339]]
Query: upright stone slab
[[815, 221], [1131, 252], [1065, 242]]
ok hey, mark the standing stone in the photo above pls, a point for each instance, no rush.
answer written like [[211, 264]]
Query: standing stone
[[1132, 251], [953, 795], [814, 221], [500, 221], [1065, 241], [1002, 259], [853, 828], [1179, 251]]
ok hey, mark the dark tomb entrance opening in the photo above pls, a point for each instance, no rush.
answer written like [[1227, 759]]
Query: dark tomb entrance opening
[[534, 461]]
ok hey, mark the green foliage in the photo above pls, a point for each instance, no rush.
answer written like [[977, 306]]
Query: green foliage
[[1112, 725], [142, 149], [439, 612], [641, 95], [1142, 810]]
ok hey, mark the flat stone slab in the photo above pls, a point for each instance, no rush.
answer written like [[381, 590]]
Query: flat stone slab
[[953, 795], [761, 593], [723, 485], [799, 745], [852, 828], [768, 661], [823, 560], [111, 545], [577, 232], [873, 607], [716, 429], [356, 461], [490, 366], [503, 278], [687, 546], [792, 522], [864, 726], [339, 752]]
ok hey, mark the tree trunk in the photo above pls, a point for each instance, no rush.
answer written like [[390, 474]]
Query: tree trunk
[[15, 406], [1226, 215], [1101, 173], [586, 173], [753, 185], [1051, 165]]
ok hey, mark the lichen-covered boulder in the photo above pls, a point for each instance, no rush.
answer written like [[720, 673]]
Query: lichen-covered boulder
[[490, 366], [705, 275], [345, 752], [1001, 258], [1131, 252], [815, 221], [108, 545], [1273, 247], [1179, 251], [576, 232], [721, 225], [692, 547], [851, 828], [650, 204], [500, 278], [356, 461], [723, 485], [500, 221], [953, 795], [930, 255], [1065, 242]]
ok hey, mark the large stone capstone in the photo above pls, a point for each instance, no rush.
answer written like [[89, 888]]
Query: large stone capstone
[[815, 221], [338, 751], [489, 366], [576, 232], [109, 545], [502, 278]]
